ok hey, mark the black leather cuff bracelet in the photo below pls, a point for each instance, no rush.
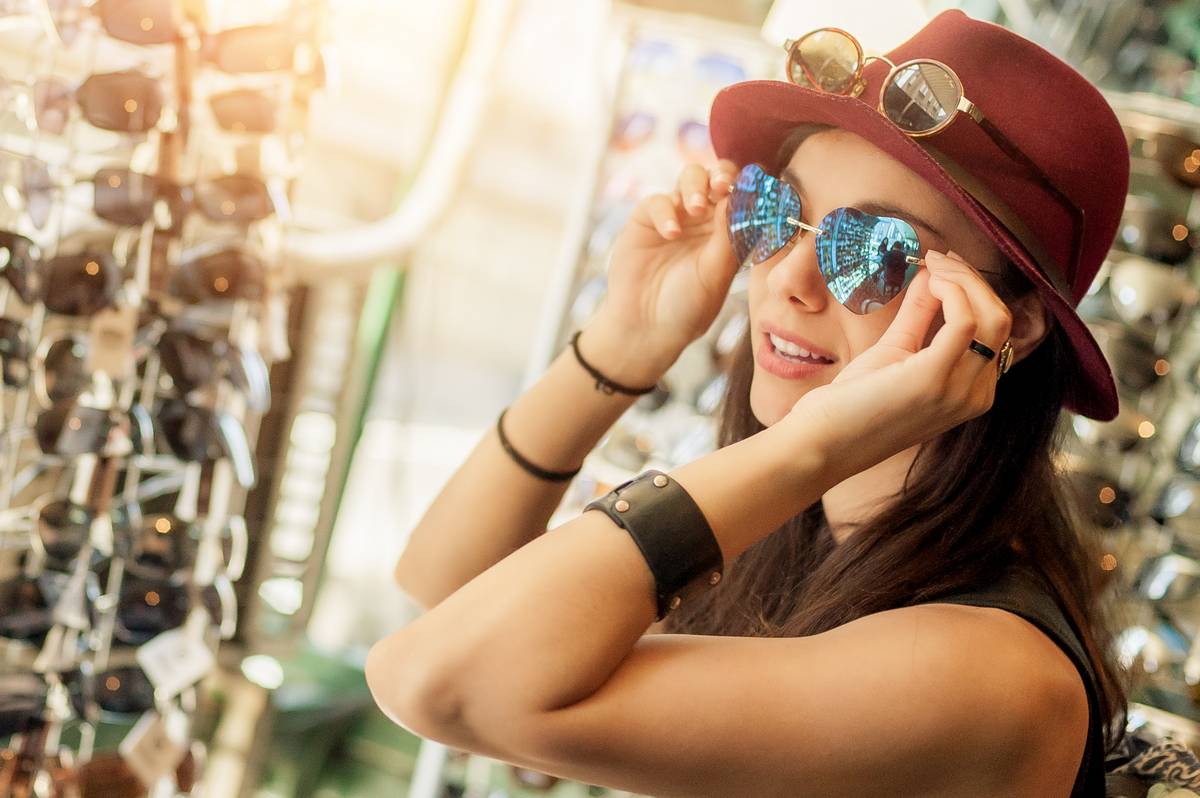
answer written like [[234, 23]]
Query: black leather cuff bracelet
[[671, 531]]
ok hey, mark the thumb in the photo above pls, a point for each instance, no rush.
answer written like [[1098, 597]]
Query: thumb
[[717, 258]]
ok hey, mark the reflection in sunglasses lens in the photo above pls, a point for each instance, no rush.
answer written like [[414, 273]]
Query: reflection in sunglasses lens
[[758, 212], [864, 258], [920, 97], [827, 60]]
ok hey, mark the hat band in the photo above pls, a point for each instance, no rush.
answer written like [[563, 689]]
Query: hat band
[[1005, 215]]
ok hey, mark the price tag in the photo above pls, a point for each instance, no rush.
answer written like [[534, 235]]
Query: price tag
[[175, 659], [151, 750]]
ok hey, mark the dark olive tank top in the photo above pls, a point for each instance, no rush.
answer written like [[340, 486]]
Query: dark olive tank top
[[1020, 592]]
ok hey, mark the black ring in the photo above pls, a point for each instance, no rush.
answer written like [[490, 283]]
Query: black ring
[[987, 353]]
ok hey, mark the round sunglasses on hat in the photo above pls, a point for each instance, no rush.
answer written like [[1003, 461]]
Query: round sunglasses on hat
[[920, 96]]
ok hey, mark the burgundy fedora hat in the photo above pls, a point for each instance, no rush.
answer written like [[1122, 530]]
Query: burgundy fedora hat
[[1050, 112]]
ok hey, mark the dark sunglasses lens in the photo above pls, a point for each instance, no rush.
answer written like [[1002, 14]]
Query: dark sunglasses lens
[[24, 609], [63, 528], [83, 284], [254, 48], [826, 60], [124, 691], [139, 21], [921, 96], [69, 429], [14, 352], [190, 431], [244, 111], [18, 257], [234, 198], [864, 258], [228, 274], [759, 208], [147, 608], [187, 359], [128, 102], [164, 546], [63, 370], [125, 197]]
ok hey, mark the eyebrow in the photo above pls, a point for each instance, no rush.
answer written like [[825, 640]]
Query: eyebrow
[[877, 208]]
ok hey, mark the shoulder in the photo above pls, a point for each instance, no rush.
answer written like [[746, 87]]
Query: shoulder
[[993, 669]]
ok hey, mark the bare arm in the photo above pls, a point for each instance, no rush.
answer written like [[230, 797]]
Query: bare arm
[[490, 506]]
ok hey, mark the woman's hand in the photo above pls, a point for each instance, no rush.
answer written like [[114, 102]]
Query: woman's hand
[[672, 264], [901, 392]]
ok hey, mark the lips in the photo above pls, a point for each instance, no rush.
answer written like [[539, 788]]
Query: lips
[[801, 342]]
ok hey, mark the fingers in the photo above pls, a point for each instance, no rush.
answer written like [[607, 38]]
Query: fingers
[[697, 193], [663, 213], [972, 311]]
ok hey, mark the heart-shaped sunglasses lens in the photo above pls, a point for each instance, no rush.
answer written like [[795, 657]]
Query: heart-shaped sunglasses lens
[[865, 259], [761, 208]]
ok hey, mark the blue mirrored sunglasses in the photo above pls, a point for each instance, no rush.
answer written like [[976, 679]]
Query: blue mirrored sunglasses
[[866, 260]]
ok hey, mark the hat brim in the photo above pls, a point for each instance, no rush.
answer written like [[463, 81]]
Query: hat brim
[[749, 121]]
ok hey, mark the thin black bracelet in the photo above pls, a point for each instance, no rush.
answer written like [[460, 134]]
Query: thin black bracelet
[[604, 383], [540, 473]]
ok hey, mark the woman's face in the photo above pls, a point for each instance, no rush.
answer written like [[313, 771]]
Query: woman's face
[[833, 169]]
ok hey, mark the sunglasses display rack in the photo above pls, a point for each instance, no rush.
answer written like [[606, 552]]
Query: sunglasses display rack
[[146, 155], [1138, 475]]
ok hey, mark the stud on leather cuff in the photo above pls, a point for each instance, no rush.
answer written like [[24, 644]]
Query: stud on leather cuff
[[671, 531]]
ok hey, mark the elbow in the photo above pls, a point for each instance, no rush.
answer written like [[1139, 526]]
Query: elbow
[[412, 692]]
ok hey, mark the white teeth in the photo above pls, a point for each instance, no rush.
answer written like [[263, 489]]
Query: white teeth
[[789, 348]]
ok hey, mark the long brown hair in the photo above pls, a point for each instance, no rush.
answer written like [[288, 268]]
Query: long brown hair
[[970, 495]]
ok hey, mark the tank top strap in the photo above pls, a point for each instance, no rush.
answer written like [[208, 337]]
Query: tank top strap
[[1022, 592]]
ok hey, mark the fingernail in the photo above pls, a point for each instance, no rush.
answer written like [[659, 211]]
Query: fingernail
[[696, 201], [671, 227]]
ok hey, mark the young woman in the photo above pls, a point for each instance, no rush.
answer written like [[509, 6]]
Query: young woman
[[909, 607]]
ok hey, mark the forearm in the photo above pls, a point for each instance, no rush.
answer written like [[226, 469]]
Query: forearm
[[491, 506], [511, 644]]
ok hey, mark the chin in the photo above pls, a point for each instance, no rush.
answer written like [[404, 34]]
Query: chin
[[768, 404]]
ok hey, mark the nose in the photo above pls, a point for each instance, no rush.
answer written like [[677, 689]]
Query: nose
[[796, 276]]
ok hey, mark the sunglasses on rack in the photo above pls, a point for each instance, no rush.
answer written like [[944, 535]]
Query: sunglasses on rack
[[124, 102], [128, 198], [920, 97], [27, 603], [218, 272], [196, 434], [194, 362], [244, 111], [866, 260], [148, 607], [79, 284]]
